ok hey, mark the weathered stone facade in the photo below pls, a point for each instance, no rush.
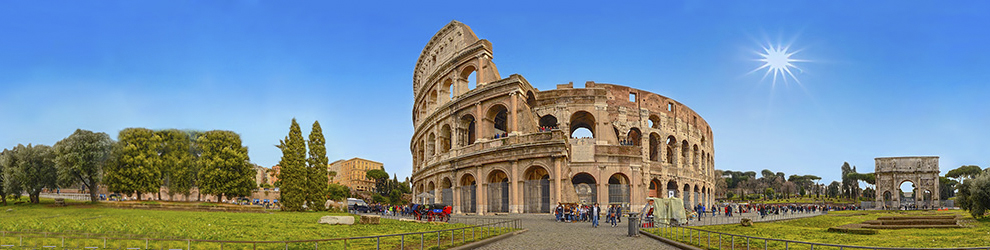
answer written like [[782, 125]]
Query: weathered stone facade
[[501, 145], [922, 171]]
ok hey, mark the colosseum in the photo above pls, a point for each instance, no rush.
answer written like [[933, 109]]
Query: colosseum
[[486, 144]]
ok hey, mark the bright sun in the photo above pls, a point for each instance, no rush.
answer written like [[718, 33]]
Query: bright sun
[[777, 60]]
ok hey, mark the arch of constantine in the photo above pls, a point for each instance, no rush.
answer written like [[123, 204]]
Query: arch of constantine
[[487, 144], [922, 171]]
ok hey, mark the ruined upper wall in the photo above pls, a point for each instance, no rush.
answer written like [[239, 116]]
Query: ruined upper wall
[[907, 164], [444, 46]]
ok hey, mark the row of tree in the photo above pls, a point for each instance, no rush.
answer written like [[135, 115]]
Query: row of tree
[[141, 161], [387, 190], [768, 185], [303, 177]]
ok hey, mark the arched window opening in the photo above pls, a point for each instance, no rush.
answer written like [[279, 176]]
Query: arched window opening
[[536, 196], [672, 189], [694, 157], [585, 186], [431, 189], [582, 120], [446, 192], [618, 190], [633, 138], [684, 150], [498, 192], [530, 99], [654, 121], [654, 147], [448, 87], [498, 115], [547, 123], [469, 76], [445, 139], [466, 130], [431, 145], [468, 194], [655, 187]]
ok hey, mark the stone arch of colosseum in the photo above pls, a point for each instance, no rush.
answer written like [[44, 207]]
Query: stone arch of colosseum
[[640, 143]]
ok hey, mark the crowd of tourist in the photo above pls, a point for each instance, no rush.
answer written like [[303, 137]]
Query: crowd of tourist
[[501, 135], [625, 142], [570, 213], [546, 128]]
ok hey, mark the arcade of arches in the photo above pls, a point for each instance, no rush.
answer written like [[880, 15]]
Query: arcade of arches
[[486, 144]]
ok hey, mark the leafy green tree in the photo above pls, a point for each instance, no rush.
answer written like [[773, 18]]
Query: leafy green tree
[[226, 169], [317, 169], [974, 195], [946, 187], [293, 175], [338, 192], [177, 161], [964, 172], [80, 158], [381, 181], [3, 180], [834, 190], [134, 163], [33, 167], [10, 185], [395, 196]]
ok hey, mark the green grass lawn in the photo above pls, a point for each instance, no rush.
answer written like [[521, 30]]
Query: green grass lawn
[[228, 226], [814, 230], [801, 199]]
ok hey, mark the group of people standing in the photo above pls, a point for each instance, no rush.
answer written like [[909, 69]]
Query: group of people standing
[[585, 213]]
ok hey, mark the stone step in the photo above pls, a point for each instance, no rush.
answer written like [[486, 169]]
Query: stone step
[[909, 226]]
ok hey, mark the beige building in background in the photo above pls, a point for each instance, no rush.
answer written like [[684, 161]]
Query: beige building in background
[[351, 173]]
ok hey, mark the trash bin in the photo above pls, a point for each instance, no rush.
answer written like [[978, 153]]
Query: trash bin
[[633, 224]]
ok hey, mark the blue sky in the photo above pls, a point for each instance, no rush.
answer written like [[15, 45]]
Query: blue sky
[[884, 78]]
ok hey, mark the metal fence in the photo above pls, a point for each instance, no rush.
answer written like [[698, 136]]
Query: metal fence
[[708, 239], [415, 240]]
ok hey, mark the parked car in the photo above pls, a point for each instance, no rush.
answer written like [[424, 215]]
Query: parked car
[[357, 205]]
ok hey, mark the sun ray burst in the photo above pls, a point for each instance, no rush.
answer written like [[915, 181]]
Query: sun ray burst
[[778, 62]]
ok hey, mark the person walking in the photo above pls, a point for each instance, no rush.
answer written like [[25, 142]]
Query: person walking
[[559, 211], [618, 212], [610, 217], [594, 215]]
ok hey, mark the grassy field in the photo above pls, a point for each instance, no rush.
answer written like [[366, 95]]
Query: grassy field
[[804, 199], [814, 230], [81, 218]]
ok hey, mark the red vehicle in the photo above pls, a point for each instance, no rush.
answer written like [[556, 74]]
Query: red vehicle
[[435, 212]]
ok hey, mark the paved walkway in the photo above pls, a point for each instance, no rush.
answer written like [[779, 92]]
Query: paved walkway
[[545, 233]]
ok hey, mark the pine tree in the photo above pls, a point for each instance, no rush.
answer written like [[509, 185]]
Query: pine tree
[[293, 174], [317, 181]]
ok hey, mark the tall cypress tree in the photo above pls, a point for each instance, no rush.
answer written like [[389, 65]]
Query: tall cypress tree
[[293, 174], [317, 184]]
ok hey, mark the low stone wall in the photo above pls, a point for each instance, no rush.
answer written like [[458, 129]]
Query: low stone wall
[[188, 207]]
